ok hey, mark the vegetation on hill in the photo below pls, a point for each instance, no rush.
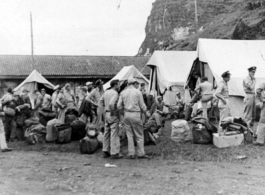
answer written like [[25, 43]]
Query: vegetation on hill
[[171, 24]]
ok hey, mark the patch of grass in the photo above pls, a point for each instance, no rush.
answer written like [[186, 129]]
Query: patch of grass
[[168, 149]]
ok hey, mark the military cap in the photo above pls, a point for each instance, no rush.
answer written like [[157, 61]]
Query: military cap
[[132, 80], [99, 82], [226, 74], [252, 68]]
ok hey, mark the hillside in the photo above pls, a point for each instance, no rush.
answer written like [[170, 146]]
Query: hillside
[[171, 24]]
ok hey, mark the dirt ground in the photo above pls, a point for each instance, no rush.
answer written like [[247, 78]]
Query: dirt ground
[[173, 169]]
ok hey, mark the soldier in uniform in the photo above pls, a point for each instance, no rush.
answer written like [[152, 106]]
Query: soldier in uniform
[[131, 100], [249, 102], [261, 126], [222, 93], [111, 140]]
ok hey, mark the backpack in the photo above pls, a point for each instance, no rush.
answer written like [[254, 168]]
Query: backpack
[[88, 145], [78, 130], [64, 133]]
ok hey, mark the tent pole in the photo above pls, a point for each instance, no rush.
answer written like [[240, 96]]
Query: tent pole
[[32, 48], [196, 14]]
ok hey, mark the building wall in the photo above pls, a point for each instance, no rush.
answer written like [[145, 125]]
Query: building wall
[[13, 83]]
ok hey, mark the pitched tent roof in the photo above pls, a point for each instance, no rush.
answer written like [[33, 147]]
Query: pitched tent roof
[[233, 55], [34, 77], [126, 73], [172, 67]]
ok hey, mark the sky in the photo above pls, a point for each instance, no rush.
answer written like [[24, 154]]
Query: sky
[[73, 27]]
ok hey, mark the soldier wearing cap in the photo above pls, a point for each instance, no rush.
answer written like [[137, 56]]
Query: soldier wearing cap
[[222, 93], [249, 101], [111, 140], [131, 100], [94, 97]]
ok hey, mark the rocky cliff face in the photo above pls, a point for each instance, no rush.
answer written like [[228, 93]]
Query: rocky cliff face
[[171, 24]]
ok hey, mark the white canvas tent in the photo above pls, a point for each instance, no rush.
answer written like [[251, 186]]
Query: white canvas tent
[[31, 83], [218, 56], [126, 73], [170, 69]]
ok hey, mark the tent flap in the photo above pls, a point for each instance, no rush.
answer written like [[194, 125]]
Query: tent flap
[[172, 67]]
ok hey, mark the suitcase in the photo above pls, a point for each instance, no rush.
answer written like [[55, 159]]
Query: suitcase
[[64, 133], [52, 133]]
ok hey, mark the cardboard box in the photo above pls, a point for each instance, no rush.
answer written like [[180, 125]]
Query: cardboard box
[[227, 141]]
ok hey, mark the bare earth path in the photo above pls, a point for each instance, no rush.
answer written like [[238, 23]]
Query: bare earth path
[[66, 173], [174, 169]]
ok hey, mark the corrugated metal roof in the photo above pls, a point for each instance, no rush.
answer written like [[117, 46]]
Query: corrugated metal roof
[[20, 65]]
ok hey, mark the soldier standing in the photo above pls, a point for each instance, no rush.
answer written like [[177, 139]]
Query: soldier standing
[[249, 101]]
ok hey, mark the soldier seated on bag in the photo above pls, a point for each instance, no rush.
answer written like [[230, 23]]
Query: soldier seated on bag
[[155, 123]]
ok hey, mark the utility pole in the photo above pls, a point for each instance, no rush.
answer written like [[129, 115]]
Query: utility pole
[[32, 48], [196, 15]]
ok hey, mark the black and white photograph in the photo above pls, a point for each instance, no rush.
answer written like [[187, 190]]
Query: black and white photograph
[[132, 97]]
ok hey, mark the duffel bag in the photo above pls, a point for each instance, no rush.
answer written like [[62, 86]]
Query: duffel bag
[[52, 133], [35, 134], [78, 129], [201, 135], [64, 133], [69, 118], [89, 145], [180, 131], [10, 112]]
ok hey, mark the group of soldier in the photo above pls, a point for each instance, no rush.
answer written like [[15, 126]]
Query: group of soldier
[[222, 94], [128, 105]]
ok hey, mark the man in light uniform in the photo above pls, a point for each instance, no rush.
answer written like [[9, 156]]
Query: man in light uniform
[[55, 94], [94, 97], [205, 88], [111, 140], [132, 101], [261, 126], [249, 102], [46, 99], [222, 93]]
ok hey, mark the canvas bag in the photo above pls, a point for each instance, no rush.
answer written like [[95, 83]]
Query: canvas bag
[[64, 133], [180, 131], [88, 145]]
